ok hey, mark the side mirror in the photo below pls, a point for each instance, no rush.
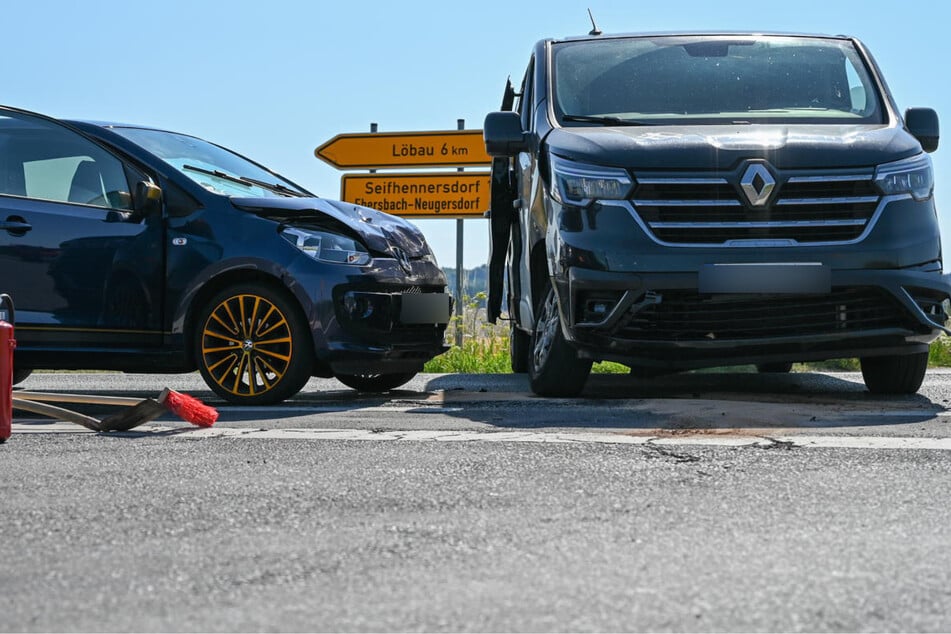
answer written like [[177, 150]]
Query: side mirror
[[503, 134], [148, 199], [923, 125]]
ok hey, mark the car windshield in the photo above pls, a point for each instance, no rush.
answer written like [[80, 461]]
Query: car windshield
[[211, 166], [712, 80]]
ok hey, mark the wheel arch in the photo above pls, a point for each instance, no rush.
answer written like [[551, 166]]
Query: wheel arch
[[540, 275]]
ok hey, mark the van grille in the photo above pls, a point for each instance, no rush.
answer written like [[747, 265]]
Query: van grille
[[687, 316], [804, 209]]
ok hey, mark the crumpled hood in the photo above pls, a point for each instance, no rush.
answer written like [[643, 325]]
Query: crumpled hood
[[723, 147], [379, 230]]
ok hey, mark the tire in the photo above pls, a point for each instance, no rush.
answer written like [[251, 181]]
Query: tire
[[253, 345], [554, 368], [375, 382], [778, 367], [520, 345], [894, 374], [646, 373], [19, 376]]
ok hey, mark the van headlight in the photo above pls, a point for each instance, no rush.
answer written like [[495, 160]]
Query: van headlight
[[579, 183], [909, 176], [326, 246]]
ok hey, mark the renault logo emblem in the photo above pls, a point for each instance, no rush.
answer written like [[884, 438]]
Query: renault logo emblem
[[757, 184]]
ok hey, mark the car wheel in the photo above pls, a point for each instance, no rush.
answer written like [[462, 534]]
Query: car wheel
[[554, 368], [779, 367], [519, 347], [375, 382], [253, 345], [19, 376], [895, 374]]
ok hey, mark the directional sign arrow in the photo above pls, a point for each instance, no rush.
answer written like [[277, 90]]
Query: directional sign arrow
[[382, 150]]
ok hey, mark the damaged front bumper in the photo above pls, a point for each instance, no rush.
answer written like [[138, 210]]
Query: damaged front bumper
[[387, 330]]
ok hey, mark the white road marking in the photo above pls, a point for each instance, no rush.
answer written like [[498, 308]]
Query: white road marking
[[700, 438]]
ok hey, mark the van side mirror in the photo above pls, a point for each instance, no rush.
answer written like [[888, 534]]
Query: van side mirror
[[503, 134], [923, 125], [148, 199]]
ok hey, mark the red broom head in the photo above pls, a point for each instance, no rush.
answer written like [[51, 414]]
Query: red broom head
[[188, 408]]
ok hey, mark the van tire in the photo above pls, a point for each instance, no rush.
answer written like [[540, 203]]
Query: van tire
[[895, 374], [554, 368]]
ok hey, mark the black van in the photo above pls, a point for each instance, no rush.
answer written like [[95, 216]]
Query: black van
[[682, 201], [130, 248]]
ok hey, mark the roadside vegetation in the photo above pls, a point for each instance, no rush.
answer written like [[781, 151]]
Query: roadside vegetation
[[485, 349]]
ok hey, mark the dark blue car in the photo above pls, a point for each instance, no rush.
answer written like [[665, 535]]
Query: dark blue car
[[135, 249]]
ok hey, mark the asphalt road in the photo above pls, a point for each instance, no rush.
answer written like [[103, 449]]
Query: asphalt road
[[700, 502]]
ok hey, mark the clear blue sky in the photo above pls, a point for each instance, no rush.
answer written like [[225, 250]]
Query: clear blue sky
[[273, 80]]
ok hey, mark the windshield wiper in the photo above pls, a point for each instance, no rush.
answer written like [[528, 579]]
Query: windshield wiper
[[275, 187], [245, 180], [587, 118]]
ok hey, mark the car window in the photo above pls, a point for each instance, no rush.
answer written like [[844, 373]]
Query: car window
[[215, 168], [40, 159]]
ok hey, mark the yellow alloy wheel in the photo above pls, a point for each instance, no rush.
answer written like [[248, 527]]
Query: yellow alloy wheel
[[247, 346]]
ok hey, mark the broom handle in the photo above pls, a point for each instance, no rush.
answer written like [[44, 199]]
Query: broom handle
[[89, 399], [56, 412]]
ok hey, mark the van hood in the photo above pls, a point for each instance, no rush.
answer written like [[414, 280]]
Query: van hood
[[704, 147], [379, 231]]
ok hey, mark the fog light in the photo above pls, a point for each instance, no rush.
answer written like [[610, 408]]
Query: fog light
[[357, 306], [598, 309]]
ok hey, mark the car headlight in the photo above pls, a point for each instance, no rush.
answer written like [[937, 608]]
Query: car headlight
[[909, 176], [579, 184], [326, 246]]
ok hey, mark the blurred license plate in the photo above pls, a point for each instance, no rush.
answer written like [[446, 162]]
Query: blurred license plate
[[799, 277], [424, 308]]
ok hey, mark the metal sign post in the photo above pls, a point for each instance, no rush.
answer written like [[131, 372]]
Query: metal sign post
[[460, 124]]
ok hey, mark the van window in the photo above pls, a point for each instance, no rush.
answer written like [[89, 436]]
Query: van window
[[670, 80]]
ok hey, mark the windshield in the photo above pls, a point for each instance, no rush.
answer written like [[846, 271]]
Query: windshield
[[213, 167], [712, 79]]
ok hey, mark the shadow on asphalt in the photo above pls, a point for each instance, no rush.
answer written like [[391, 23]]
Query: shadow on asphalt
[[689, 401]]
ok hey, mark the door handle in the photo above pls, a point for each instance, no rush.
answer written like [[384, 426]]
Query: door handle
[[15, 225]]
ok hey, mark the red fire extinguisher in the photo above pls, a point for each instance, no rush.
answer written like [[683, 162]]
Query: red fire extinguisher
[[7, 345]]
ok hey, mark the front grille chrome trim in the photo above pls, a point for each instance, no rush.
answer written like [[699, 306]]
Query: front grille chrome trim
[[709, 211]]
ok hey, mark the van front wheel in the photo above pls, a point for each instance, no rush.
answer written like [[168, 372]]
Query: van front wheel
[[895, 374], [554, 368]]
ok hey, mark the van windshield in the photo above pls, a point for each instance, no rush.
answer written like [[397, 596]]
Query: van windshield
[[712, 80]]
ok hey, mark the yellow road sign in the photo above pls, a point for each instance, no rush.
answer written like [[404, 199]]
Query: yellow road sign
[[381, 150], [437, 194]]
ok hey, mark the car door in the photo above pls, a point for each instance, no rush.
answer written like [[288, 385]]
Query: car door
[[83, 270]]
